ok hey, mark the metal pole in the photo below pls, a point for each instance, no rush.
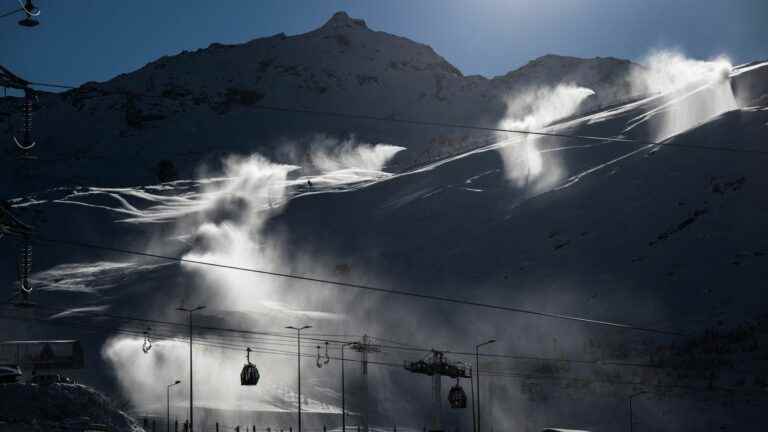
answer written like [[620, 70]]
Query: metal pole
[[168, 405], [298, 368], [191, 395], [343, 394], [631, 422], [472, 388], [477, 370], [191, 398], [298, 360]]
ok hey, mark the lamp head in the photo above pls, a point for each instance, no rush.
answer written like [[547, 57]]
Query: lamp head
[[488, 342]]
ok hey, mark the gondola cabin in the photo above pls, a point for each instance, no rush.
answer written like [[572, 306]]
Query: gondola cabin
[[249, 376], [457, 398]]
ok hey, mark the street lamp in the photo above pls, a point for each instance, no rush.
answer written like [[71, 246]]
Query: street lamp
[[631, 422], [168, 405], [343, 392], [298, 358], [477, 371], [472, 388], [191, 399]]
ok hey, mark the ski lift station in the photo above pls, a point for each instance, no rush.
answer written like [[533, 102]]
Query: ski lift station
[[50, 354]]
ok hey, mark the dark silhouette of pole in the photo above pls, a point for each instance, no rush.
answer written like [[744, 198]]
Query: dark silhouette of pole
[[191, 398], [168, 405], [343, 391], [631, 422], [298, 359], [472, 388], [343, 395], [477, 371]]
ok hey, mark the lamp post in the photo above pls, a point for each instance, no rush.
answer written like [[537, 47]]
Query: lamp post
[[472, 388], [343, 391], [191, 399], [298, 359], [477, 371], [168, 405], [631, 422]]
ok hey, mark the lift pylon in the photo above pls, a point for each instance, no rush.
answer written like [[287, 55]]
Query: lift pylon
[[11, 225], [26, 143], [437, 367], [365, 347]]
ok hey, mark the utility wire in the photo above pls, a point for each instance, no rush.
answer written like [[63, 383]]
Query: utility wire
[[482, 371], [312, 342], [13, 12], [444, 299], [161, 336], [353, 116]]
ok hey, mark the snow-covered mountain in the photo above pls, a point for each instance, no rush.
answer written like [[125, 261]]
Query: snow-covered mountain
[[195, 106], [664, 236]]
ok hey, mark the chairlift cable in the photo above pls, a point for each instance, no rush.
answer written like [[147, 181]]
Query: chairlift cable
[[429, 123], [259, 340], [412, 294]]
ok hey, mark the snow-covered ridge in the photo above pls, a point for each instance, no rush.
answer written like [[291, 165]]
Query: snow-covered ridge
[[205, 102]]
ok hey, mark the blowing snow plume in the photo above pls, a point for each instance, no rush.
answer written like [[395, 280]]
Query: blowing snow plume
[[230, 228], [328, 162], [533, 111], [217, 381], [692, 92], [329, 154], [228, 231]]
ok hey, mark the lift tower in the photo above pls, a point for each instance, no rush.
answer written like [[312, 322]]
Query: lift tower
[[10, 225], [9, 80], [365, 347], [436, 366]]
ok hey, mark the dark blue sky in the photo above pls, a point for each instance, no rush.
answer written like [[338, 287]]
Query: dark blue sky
[[82, 40]]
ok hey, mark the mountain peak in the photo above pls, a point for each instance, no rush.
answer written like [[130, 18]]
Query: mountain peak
[[341, 20]]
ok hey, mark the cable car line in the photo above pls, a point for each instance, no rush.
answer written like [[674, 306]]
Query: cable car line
[[13, 12], [256, 336], [428, 123], [412, 294], [399, 366], [311, 342], [483, 371]]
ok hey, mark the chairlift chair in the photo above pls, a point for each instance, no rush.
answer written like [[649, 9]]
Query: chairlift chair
[[31, 11], [28, 21]]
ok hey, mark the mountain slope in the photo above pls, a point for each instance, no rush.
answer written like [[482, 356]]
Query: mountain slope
[[195, 106]]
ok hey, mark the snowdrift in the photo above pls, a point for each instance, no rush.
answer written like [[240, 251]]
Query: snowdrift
[[30, 407]]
